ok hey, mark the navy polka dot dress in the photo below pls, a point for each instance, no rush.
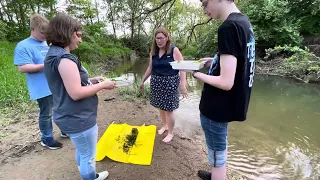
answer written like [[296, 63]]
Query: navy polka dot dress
[[164, 93]]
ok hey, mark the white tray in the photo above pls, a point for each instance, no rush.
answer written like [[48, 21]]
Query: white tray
[[124, 83], [187, 65]]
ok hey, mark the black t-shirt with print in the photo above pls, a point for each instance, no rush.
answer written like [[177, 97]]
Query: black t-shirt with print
[[235, 37]]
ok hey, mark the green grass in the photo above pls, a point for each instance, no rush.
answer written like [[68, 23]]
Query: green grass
[[93, 52], [13, 89], [131, 93], [14, 97]]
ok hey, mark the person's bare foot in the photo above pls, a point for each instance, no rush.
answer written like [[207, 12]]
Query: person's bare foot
[[168, 138], [162, 130]]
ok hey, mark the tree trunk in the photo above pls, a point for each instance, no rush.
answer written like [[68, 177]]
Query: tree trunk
[[23, 24], [97, 12], [1, 15], [38, 8], [132, 24]]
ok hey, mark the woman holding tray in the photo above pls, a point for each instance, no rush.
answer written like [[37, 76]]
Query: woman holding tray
[[164, 82]]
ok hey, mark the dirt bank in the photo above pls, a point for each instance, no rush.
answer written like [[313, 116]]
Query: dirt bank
[[22, 157]]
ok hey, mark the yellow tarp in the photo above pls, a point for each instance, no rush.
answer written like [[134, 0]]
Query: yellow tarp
[[111, 144]]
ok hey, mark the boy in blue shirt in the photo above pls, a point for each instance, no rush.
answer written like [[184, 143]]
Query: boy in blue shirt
[[29, 56]]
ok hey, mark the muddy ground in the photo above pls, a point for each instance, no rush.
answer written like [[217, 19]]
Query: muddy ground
[[23, 158]]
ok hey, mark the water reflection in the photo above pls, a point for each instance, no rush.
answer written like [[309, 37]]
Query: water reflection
[[280, 139]]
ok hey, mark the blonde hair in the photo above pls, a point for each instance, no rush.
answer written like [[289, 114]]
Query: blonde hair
[[154, 47], [38, 21]]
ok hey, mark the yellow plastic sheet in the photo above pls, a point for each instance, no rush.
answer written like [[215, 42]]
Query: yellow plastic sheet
[[111, 144]]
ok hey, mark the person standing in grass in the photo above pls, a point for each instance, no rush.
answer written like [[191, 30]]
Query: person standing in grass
[[29, 56], [164, 83], [228, 83], [75, 103]]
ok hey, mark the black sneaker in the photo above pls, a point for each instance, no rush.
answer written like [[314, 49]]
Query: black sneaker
[[55, 145], [204, 175], [64, 135]]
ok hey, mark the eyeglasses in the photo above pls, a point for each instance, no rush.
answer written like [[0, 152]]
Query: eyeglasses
[[160, 38]]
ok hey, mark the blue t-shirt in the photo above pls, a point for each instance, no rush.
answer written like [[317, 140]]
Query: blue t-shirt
[[32, 51]]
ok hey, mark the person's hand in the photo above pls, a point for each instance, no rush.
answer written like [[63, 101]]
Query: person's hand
[[107, 84], [208, 61], [141, 86]]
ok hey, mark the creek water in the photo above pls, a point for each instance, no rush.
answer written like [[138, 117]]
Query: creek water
[[280, 138]]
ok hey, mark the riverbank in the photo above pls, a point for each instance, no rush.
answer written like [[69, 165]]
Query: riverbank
[[181, 159], [277, 67], [290, 61]]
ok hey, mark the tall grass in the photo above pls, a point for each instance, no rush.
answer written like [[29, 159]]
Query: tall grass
[[132, 93], [13, 89]]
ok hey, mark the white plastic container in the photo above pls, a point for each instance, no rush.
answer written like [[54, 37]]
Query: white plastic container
[[187, 65]]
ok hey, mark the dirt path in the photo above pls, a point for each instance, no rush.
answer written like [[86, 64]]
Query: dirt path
[[178, 160]]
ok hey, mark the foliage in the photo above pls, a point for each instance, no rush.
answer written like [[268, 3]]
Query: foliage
[[208, 44], [296, 60], [273, 22], [93, 52], [308, 13], [13, 89], [141, 44], [94, 29], [83, 9], [89, 52], [189, 52], [16, 14], [3, 31], [132, 93]]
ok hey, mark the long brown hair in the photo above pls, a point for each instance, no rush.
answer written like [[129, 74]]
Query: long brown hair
[[154, 47]]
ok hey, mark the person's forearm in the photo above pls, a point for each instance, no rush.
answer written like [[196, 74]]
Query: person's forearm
[[31, 68], [215, 81], [183, 78], [146, 75], [85, 91]]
